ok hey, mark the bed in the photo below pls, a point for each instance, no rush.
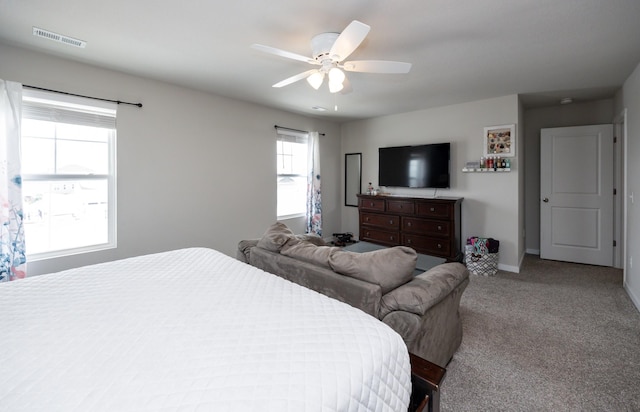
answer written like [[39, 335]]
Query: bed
[[191, 329]]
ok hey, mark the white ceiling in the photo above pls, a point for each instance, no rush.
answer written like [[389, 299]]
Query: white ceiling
[[461, 50]]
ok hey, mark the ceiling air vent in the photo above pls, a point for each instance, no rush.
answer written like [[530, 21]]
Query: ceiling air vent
[[59, 38]]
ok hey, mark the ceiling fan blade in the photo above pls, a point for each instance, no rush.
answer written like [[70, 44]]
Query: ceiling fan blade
[[283, 53], [349, 40], [377, 66], [295, 78]]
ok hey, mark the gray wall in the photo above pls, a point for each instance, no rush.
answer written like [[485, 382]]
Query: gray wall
[[492, 205], [576, 114], [629, 97], [194, 169], [191, 165]]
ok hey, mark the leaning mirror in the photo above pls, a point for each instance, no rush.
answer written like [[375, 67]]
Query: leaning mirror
[[352, 178]]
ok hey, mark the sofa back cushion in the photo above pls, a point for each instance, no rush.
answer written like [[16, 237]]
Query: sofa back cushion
[[275, 237], [362, 295], [312, 238], [388, 268], [309, 252]]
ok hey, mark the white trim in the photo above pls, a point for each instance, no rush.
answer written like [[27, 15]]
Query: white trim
[[54, 254], [293, 216], [634, 299], [509, 268], [625, 209]]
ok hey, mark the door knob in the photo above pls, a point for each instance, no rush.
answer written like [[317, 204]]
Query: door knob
[[546, 200]]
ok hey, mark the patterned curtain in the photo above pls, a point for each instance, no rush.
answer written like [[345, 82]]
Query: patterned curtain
[[12, 248], [314, 193]]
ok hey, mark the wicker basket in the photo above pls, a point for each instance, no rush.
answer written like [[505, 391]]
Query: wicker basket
[[481, 264]]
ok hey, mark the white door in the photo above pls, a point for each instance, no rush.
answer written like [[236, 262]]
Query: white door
[[576, 194]]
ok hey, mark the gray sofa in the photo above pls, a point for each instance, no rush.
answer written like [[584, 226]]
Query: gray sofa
[[423, 309]]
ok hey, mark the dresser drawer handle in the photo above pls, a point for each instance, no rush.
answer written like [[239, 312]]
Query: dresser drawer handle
[[368, 219], [439, 227], [433, 209], [391, 238], [409, 224], [439, 246], [390, 221], [371, 204], [367, 234], [409, 241]]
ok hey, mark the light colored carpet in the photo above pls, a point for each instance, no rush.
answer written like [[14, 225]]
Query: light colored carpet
[[555, 337]]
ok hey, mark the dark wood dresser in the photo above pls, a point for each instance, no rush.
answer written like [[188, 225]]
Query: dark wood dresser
[[430, 226]]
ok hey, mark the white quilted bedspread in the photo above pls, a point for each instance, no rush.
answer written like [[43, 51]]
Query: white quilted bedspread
[[189, 330]]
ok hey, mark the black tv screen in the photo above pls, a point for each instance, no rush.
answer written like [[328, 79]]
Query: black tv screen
[[424, 166]]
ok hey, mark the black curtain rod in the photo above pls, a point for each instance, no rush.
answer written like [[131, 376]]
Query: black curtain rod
[[80, 95], [295, 130]]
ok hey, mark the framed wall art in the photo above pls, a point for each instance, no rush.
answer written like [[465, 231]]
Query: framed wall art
[[500, 140]]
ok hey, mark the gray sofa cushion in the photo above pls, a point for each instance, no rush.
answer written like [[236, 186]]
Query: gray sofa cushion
[[308, 252], [275, 237], [312, 238], [425, 290], [388, 268]]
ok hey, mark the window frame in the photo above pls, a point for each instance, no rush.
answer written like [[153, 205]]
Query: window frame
[[85, 108], [286, 135]]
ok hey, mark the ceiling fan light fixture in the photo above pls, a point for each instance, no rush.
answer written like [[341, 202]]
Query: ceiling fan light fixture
[[335, 87], [315, 80], [336, 78], [336, 75]]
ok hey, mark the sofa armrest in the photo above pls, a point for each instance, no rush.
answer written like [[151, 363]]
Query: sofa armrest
[[424, 290], [244, 250]]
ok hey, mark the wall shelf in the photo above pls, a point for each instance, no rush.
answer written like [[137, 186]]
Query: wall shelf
[[485, 170]]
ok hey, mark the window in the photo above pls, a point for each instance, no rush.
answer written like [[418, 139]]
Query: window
[[68, 174], [291, 174]]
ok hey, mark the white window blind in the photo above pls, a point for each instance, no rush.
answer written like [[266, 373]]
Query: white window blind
[[68, 161]]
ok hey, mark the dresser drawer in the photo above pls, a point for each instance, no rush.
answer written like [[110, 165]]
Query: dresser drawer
[[379, 236], [371, 204], [424, 226], [389, 222], [428, 245], [400, 206], [433, 209]]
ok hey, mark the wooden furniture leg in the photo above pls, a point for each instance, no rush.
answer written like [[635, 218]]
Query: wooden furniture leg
[[426, 378]]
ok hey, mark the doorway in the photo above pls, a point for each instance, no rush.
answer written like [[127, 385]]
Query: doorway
[[576, 194]]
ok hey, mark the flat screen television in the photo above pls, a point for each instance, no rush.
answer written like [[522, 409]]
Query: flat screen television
[[424, 166]]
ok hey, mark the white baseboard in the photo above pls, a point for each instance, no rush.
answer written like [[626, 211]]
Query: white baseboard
[[634, 298], [509, 268], [533, 251]]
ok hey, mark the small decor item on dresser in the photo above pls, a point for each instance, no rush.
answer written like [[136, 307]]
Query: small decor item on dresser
[[481, 255]]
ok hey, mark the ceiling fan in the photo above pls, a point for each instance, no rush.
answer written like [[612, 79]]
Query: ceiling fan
[[329, 50]]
